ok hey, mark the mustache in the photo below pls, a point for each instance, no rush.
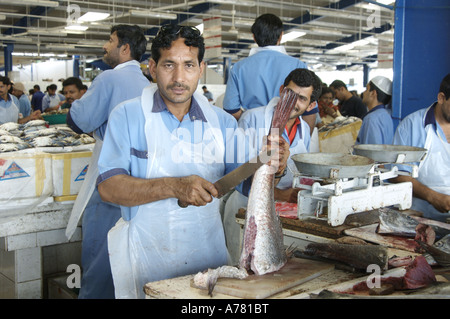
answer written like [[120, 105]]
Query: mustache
[[178, 85]]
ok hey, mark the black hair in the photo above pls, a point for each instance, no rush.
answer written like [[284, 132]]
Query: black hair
[[169, 33], [52, 87], [73, 81], [305, 78], [445, 86], [5, 80], [337, 84], [381, 96], [37, 87], [133, 36], [267, 29], [326, 90]]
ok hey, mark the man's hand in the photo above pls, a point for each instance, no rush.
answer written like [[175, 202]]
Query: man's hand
[[194, 190], [279, 149], [439, 201]]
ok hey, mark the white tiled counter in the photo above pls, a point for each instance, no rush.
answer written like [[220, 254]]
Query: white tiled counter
[[34, 245]]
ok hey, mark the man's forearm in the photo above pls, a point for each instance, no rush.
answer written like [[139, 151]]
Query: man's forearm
[[130, 191], [419, 190]]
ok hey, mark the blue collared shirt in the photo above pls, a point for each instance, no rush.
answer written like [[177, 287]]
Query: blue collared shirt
[[255, 80], [9, 111], [126, 131], [412, 129], [377, 127], [110, 88]]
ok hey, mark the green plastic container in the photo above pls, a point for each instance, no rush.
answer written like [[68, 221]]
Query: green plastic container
[[55, 118]]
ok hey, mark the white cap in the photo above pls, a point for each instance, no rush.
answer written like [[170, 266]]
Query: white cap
[[383, 83]]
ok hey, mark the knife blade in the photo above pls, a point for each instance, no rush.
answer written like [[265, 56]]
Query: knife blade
[[238, 175]]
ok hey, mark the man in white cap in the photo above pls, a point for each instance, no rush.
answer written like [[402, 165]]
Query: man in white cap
[[377, 126], [24, 102]]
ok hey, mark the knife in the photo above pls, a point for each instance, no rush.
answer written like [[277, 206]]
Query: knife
[[237, 176]]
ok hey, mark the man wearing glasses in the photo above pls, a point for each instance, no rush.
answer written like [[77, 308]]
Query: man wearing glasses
[[169, 144]]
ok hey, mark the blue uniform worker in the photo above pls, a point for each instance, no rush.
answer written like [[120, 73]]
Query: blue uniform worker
[[255, 80], [377, 126], [420, 129], [52, 98], [9, 111], [145, 140], [91, 114]]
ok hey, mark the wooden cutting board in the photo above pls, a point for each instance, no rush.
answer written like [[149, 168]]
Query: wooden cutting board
[[369, 233], [294, 273]]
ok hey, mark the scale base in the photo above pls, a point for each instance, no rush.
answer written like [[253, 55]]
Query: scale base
[[354, 201]]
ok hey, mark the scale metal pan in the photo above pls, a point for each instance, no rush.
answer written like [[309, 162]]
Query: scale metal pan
[[383, 153], [333, 165]]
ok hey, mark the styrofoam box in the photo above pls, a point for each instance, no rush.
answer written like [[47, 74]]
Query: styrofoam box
[[25, 174], [69, 170]]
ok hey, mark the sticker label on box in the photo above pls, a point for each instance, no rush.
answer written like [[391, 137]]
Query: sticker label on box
[[82, 174], [13, 171]]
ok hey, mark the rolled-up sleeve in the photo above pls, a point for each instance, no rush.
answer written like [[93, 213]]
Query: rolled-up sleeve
[[115, 157]]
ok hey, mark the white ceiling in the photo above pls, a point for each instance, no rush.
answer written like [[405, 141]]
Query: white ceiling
[[338, 34]]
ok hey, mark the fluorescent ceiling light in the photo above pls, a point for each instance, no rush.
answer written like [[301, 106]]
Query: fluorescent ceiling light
[[60, 46], [292, 35], [93, 16], [47, 32], [337, 14], [236, 2], [76, 27], [42, 3], [386, 2], [325, 31], [153, 14]]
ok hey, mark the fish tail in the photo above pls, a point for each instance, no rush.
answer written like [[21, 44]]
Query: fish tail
[[288, 99]]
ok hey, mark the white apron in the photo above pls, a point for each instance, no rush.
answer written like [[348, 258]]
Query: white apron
[[9, 114], [434, 172], [163, 240], [54, 101], [86, 189]]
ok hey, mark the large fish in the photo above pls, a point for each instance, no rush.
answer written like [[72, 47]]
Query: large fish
[[262, 249]]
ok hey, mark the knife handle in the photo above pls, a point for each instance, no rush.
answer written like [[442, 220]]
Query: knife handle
[[182, 204]]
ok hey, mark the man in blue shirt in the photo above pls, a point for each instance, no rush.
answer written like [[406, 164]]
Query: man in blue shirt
[[52, 99], [255, 80], [36, 100], [430, 128], [24, 102], [9, 110], [88, 114], [169, 144], [377, 126]]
